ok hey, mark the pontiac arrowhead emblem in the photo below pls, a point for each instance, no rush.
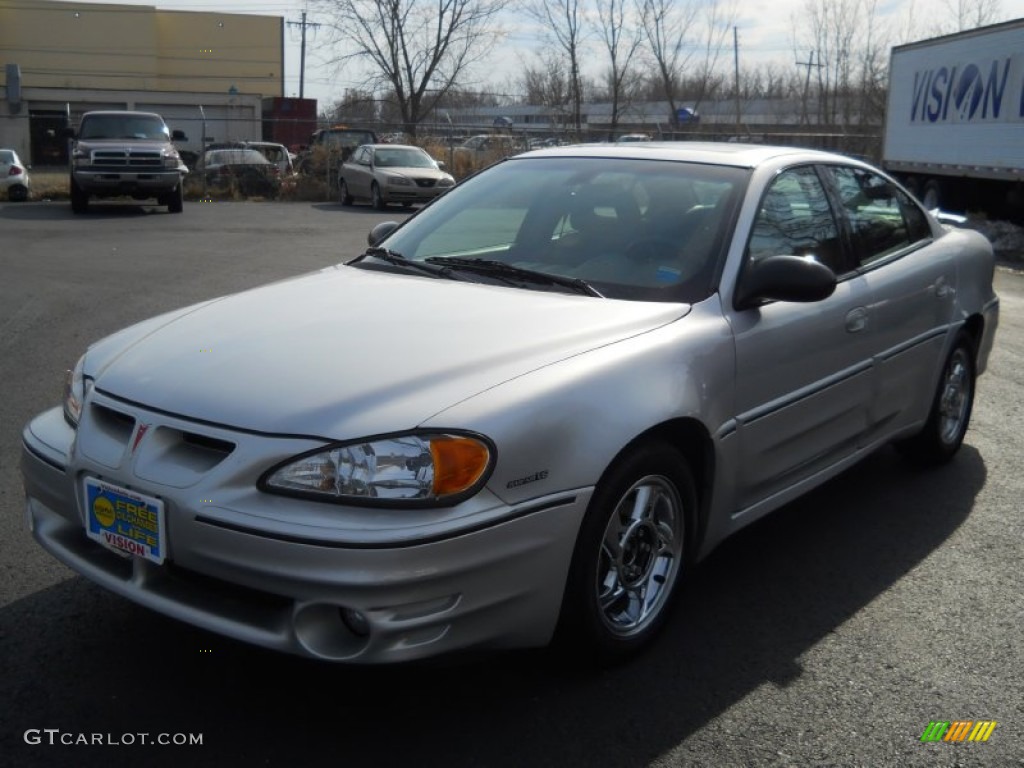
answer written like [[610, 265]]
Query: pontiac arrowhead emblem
[[140, 432]]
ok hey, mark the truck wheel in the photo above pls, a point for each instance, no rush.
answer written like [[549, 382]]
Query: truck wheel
[[176, 199], [79, 198], [931, 195]]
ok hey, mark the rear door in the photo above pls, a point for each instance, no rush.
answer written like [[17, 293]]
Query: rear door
[[912, 286]]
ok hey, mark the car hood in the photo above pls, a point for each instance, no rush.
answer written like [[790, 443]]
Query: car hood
[[347, 352], [87, 145]]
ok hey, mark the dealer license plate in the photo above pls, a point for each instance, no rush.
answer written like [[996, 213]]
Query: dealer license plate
[[125, 521]]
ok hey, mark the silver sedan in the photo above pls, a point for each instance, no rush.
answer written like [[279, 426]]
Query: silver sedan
[[391, 173], [524, 413]]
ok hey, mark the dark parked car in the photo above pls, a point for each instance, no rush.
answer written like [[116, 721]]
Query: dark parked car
[[245, 170]]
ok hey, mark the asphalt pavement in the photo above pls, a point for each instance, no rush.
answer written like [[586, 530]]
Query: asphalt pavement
[[829, 634]]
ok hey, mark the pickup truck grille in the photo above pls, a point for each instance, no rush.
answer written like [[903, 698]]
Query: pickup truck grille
[[127, 158]]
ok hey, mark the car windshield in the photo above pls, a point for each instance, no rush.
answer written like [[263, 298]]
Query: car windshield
[[124, 127], [633, 229], [402, 158]]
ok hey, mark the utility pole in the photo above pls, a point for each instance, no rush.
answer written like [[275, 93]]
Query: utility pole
[[736, 66], [804, 117], [302, 56]]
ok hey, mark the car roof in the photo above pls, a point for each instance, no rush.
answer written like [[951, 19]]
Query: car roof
[[381, 145], [734, 154]]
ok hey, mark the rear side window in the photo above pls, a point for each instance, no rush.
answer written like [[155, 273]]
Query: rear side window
[[883, 219]]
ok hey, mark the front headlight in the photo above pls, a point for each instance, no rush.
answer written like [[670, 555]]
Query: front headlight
[[171, 159], [446, 181], [75, 386], [426, 469], [79, 157]]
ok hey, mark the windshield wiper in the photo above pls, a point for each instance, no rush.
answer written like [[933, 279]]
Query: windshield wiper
[[398, 260], [516, 275]]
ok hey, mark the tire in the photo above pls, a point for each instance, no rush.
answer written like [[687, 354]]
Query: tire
[[176, 199], [79, 198], [377, 198], [343, 196], [931, 195], [17, 194], [950, 414], [631, 552]]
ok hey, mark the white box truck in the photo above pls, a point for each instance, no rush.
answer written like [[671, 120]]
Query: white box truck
[[954, 126]]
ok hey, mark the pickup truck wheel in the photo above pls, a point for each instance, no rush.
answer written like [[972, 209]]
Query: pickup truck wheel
[[378, 199], [950, 413], [79, 198], [176, 199], [631, 552], [343, 195]]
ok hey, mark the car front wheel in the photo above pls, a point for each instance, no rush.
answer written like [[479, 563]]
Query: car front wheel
[[950, 413], [630, 554], [378, 199]]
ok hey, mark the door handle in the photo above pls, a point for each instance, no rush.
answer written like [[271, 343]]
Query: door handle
[[856, 320], [942, 288]]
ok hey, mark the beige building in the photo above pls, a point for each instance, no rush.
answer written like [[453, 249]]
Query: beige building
[[60, 59]]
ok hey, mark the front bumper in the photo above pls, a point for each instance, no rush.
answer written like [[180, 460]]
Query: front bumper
[[99, 180], [234, 570]]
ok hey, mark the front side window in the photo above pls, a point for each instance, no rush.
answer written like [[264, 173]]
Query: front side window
[[883, 219], [795, 219]]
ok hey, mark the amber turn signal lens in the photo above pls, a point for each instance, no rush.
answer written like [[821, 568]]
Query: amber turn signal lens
[[458, 463]]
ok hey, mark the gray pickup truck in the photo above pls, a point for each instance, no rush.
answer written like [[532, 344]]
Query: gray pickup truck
[[116, 154]]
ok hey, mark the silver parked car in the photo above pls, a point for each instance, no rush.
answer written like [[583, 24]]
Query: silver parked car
[[14, 179], [522, 414], [391, 173]]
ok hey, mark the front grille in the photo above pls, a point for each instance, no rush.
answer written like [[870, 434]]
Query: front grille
[[127, 158], [426, 182]]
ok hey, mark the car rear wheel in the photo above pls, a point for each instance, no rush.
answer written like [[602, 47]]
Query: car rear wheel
[[950, 415], [378, 199], [630, 554], [343, 194], [79, 198]]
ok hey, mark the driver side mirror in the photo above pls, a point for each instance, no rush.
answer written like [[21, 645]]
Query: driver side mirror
[[784, 278], [178, 135], [381, 231]]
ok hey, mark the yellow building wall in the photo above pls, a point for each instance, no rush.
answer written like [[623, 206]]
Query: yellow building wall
[[137, 47]]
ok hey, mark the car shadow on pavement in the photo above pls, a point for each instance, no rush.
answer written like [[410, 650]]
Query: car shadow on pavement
[[81, 660], [60, 210]]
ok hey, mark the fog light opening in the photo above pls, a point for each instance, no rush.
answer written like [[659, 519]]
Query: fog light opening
[[355, 622]]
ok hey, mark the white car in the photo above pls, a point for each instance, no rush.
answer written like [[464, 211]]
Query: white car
[[14, 180]]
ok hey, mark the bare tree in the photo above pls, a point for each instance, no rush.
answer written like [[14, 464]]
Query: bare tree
[[564, 22], [685, 39], [622, 42], [968, 14], [417, 50]]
